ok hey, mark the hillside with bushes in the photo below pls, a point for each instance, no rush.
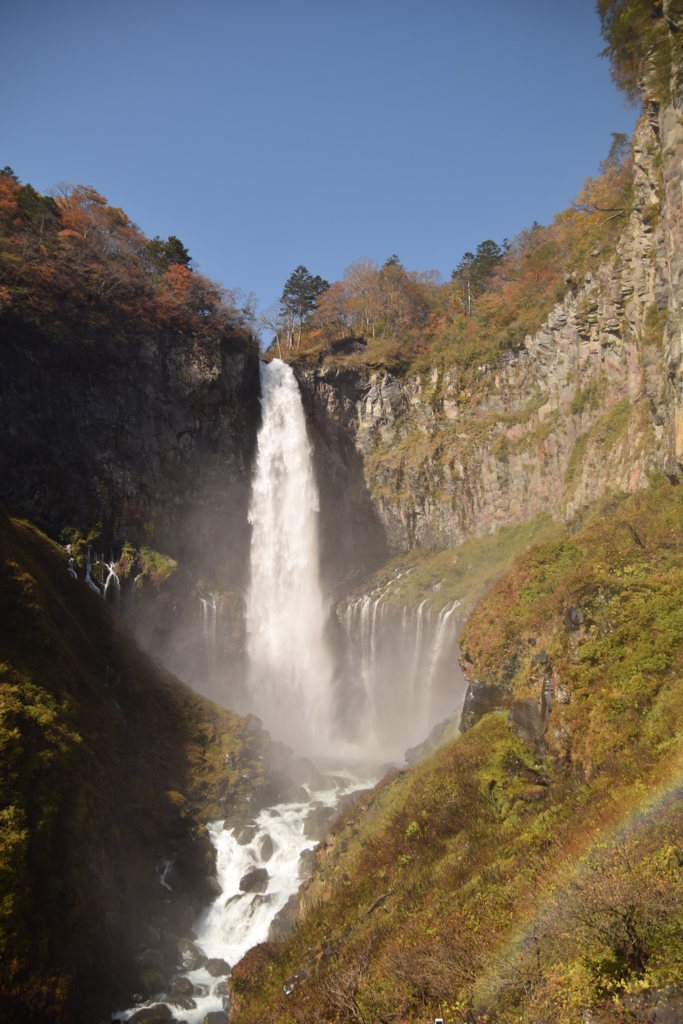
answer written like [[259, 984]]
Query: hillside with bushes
[[508, 443], [533, 868], [106, 762]]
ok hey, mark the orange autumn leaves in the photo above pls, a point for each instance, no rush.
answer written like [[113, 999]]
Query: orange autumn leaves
[[75, 267]]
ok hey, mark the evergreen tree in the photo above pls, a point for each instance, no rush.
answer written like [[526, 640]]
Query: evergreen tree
[[475, 269], [300, 295], [176, 251], [161, 253]]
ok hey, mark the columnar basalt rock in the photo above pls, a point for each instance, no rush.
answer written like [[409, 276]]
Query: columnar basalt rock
[[140, 437], [447, 454]]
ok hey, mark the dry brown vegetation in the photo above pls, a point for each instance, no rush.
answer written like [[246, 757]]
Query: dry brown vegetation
[[527, 883], [78, 269]]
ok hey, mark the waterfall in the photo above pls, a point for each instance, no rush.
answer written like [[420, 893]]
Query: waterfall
[[209, 626], [112, 585], [290, 665], [401, 668]]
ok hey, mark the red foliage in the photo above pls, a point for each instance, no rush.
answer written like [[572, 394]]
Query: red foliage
[[79, 269]]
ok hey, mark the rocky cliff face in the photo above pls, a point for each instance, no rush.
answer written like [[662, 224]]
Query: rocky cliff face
[[594, 400], [141, 439], [144, 445]]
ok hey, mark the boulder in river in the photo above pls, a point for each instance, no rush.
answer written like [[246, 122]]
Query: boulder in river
[[265, 848], [181, 987], [190, 957], [184, 1002], [211, 887], [245, 835], [152, 981], [255, 880], [302, 795], [151, 1015], [217, 967], [222, 989], [216, 1017], [348, 800]]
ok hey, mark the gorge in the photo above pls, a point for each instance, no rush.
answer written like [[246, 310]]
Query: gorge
[[341, 675]]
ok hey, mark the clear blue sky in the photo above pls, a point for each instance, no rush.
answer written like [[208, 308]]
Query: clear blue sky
[[268, 133]]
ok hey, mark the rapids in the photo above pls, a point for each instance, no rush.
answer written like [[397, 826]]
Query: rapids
[[236, 920]]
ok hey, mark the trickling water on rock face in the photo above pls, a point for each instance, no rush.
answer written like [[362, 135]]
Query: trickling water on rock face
[[290, 664]]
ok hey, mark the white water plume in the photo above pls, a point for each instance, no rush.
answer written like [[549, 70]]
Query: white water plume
[[290, 665], [406, 662], [208, 606]]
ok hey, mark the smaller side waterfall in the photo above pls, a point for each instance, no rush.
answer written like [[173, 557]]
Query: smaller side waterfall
[[406, 660], [208, 606]]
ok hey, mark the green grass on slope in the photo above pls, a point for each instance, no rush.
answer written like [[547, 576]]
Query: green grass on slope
[[460, 574], [99, 750], [482, 878]]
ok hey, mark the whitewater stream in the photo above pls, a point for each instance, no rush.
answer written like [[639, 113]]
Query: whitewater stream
[[387, 693], [238, 920]]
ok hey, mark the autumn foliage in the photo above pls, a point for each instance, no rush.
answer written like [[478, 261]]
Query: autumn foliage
[[77, 268], [403, 320]]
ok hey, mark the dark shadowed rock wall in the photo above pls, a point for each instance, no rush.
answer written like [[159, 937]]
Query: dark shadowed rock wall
[[147, 438]]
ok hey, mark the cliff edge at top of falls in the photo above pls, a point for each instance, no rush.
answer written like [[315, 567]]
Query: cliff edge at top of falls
[[109, 768], [564, 381]]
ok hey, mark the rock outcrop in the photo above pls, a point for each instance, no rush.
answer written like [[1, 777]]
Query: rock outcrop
[[594, 399]]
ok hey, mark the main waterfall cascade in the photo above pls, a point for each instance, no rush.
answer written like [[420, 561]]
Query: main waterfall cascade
[[392, 672], [290, 663]]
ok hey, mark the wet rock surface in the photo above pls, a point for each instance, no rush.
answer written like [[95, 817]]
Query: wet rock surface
[[285, 921], [481, 699], [255, 880], [190, 957], [217, 967], [318, 822], [152, 1015], [181, 987], [265, 848], [296, 980]]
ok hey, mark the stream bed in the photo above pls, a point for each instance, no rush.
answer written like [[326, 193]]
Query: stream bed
[[237, 920]]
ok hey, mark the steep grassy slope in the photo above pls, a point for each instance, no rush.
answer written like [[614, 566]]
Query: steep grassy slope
[[104, 757], [461, 574], [532, 869]]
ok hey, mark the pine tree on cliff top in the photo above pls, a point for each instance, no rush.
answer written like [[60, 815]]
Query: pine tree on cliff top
[[300, 294]]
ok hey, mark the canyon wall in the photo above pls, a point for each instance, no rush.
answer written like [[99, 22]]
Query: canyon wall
[[139, 439], [593, 401]]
